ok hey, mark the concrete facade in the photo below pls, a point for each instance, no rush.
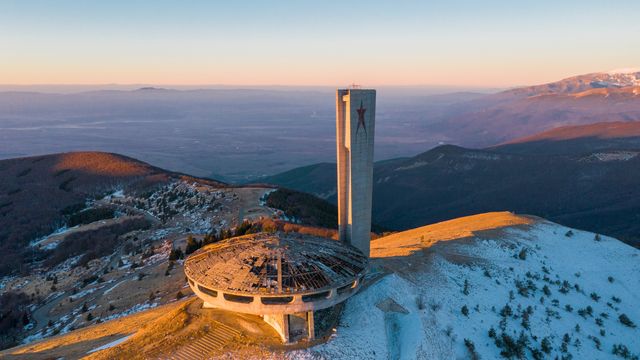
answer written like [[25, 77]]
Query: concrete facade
[[271, 304], [355, 130]]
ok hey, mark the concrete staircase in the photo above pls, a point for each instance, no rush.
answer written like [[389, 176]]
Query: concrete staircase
[[218, 336]]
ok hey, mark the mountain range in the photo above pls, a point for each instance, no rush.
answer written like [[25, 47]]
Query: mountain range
[[585, 176], [236, 134], [519, 112]]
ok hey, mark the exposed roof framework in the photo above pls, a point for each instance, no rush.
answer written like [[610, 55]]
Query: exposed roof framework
[[276, 264]]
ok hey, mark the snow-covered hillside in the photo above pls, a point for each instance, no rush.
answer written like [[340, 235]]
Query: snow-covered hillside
[[488, 286], [623, 77], [535, 291]]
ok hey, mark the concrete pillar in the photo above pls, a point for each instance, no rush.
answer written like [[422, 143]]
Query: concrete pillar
[[280, 323], [206, 305], [311, 327], [355, 129], [279, 272], [285, 328]]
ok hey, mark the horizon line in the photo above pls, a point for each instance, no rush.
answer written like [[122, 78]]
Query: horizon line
[[257, 85], [69, 88], [204, 85]]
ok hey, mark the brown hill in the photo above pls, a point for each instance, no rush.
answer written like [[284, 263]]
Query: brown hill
[[604, 130], [578, 139], [36, 193], [581, 83]]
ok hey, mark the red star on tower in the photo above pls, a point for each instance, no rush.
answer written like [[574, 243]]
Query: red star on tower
[[361, 112]]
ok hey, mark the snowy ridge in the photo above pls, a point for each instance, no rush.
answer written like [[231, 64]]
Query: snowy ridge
[[619, 78], [624, 71]]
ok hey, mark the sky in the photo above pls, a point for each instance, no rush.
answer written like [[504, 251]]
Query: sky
[[470, 43]]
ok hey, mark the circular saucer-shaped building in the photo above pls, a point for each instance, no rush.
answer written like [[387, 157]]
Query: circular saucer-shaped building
[[283, 277]]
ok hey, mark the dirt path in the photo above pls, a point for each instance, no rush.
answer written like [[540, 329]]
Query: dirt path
[[41, 315]]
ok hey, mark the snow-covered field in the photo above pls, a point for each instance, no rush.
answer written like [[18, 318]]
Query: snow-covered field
[[547, 284]]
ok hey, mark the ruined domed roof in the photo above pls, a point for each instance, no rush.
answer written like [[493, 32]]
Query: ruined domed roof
[[273, 264]]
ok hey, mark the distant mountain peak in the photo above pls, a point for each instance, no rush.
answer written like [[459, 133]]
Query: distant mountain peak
[[624, 71], [618, 79], [626, 79], [151, 88]]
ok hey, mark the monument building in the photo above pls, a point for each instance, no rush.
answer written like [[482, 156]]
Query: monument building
[[286, 278]]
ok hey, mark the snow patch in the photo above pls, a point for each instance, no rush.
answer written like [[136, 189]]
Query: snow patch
[[111, 344], [84, 293], [263, 199], [415, 165], [114, 286], [135, 309], [611, 156], [481, 156], [59, 231]]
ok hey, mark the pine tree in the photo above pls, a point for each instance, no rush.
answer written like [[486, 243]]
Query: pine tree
[[546, 345], [192, 245]]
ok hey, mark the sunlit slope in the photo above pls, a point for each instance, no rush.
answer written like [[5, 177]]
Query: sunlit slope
[[407, 242], [79, 343], [162, 332]]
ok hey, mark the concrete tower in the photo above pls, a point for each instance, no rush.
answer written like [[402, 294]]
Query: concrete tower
[[355, 128]]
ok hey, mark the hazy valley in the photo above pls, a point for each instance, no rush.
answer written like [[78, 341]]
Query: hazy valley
[[239, 134]]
